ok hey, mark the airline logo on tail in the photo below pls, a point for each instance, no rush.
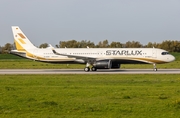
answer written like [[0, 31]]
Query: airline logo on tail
[[22, 36], [21, 41]]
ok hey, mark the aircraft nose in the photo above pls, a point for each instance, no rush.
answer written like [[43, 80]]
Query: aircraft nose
[[172, 58]]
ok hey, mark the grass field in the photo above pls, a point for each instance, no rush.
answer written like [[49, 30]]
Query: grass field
[[90, 96], [10, 61]]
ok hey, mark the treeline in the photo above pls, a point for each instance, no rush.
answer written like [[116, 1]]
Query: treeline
[[6, 48], [169, 45]]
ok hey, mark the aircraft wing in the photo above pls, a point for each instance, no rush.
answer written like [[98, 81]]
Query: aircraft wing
[[73, 56]]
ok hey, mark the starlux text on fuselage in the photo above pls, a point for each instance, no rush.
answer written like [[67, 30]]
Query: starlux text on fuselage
[[123, 52]]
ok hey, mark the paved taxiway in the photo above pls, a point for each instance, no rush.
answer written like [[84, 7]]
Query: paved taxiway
[[81, 71]]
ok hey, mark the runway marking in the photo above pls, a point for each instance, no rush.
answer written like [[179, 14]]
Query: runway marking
[[81, 71]]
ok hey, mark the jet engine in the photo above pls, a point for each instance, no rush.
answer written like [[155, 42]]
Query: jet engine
[[106, 64]]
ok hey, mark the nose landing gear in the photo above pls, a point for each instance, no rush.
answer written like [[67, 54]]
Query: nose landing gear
[[155, 69]]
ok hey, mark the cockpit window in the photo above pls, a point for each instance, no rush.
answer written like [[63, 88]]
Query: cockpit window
[[165, 53]]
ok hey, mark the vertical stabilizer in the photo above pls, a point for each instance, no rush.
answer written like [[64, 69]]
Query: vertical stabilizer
[[21, 41]]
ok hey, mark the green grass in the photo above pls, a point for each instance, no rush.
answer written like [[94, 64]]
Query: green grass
[[14, 62], [91, 96], [9, 56], [79, 96]]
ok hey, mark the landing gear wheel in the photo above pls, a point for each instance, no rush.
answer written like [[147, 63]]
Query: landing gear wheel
[[155, 69], [93, 68], [86, 69]]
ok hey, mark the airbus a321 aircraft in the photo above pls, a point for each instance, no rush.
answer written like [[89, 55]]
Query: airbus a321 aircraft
[[94, 58]]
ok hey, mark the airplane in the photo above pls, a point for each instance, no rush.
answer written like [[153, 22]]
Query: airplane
[[94, 58]]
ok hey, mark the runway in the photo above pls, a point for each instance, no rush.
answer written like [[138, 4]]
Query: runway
[[81, 71]]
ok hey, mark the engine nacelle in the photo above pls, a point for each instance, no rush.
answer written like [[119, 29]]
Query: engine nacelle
[[115, 65], [106, 64]]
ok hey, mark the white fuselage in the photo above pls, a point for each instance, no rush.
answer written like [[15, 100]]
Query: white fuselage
[[123, 55]]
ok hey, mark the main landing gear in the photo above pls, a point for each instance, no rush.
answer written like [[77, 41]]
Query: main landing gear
[[93, 68], [155, 69], [87, 68]]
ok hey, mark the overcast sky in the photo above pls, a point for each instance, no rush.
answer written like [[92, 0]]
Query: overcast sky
[[51, 21]]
